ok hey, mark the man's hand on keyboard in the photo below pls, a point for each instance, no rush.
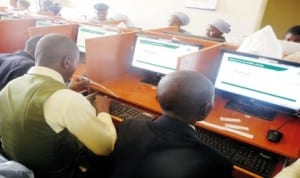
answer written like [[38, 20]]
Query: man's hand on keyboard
[[102, 103]]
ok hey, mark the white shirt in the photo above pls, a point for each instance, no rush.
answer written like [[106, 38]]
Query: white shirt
[[67, 109], [292, 171]]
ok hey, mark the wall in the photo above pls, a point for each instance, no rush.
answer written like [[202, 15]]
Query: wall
[[281, 16], [244, 15]]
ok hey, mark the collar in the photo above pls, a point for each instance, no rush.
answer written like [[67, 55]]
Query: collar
[[174, 125], [25, 53], [45, 71]]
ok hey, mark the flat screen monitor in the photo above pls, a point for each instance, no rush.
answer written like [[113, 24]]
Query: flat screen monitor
[[158, 55], [45, 23], [259, 82], [89, 31]]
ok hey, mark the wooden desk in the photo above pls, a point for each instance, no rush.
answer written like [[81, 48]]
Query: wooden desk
[[289, 144], [131, 90], [110, 67]]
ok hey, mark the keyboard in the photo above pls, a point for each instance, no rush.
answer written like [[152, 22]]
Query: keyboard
[[125, 111], [241, 154]]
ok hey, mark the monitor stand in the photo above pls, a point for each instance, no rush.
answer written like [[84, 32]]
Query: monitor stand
[[252, 108], [152, 78]]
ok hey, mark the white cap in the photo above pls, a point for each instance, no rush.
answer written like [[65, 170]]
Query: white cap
[[221, 25], [184, 19]]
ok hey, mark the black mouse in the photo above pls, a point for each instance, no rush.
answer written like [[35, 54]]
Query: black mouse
[[274, 135]]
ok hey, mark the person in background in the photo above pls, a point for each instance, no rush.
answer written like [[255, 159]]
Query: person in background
[[55, 9], [293, 34], [169, 146], [101, 10], [44, 8], [217, 28], [23, 5], [17, 64], [292, 171], [127, 23], [13, 4], [50, 129], [179, 19]]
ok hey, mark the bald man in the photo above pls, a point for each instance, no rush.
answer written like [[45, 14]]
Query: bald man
[[168, 146], [45, 125]]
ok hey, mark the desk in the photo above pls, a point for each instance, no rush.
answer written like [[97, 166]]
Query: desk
[[110, 67], [130, 89]]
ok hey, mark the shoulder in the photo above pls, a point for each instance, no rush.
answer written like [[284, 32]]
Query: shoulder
[[69, 95], [133, 125]]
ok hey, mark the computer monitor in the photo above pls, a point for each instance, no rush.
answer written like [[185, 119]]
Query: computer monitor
[[89, 31], [47, 23], [249, 81], [159, 56]]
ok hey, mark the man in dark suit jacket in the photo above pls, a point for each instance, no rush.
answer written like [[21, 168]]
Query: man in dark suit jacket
[[168, 147], [17, 64]]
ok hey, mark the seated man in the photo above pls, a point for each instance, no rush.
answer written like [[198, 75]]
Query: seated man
[[17, 64], [46, 126], [168, 146], [217, 29], [293, 34]]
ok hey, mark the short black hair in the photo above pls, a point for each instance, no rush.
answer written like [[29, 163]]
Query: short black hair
[[295, 30]]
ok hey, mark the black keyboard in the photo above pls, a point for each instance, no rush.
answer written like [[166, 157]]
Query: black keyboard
[[241, 154], [125, 111]]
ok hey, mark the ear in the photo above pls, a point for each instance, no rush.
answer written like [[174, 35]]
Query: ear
[[66, 62], [204, 110]]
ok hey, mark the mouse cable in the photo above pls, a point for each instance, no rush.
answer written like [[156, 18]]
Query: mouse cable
[[280, 127]]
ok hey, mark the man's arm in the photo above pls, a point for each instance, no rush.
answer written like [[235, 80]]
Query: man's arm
[[67, 109]]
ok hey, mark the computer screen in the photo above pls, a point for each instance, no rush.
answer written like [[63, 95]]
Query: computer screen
[[88, 31], [273, 82], [159, 55], [46, 23]]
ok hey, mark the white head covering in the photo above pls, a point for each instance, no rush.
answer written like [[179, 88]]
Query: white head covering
[[221, 25], [184, 19]]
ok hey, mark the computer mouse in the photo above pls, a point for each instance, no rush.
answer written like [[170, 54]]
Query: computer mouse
[[274, 136]]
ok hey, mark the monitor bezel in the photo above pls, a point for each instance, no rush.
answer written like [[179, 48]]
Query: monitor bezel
[[242, 98], [150, 36]]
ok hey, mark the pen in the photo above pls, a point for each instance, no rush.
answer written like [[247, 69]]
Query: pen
[[99, 85]]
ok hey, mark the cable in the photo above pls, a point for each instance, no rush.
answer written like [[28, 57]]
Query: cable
[[285, 123], [99, 85]]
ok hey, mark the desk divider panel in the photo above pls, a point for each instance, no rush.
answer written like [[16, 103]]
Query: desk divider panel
[[169, 28], [108, 57], [13, 34], [184, 39], [69, 30], [206, 61]]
